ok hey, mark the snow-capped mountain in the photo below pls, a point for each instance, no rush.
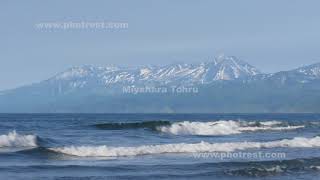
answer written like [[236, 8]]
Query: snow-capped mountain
[[225, 84], [305, 74], [219, 69]]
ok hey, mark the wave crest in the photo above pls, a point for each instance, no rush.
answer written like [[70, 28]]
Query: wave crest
[[13, 139], [222, 127], [105, 151]]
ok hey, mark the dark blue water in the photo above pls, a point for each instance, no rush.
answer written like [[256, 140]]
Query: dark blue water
[[159, 146]]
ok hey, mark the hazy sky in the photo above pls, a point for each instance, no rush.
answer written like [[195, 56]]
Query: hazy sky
[[272, 35]]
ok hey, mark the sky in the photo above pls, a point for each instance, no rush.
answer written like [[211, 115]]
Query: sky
[[272, 35]]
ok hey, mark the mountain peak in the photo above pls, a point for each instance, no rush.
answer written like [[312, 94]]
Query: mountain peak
[[223, 58], [230, 68]]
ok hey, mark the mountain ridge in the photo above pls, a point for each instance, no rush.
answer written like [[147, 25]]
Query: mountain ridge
[[224, 84], [221, 68]]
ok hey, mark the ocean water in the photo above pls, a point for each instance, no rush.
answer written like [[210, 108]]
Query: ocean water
[[159, 146]]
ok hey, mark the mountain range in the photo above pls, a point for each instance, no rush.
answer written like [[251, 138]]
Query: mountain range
[[225, 84]]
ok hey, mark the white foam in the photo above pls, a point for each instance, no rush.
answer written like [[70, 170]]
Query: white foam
[[315, 123], [269, 128], [202, 128], [221, 127], [13, 139], [315, 167], [276, 169], [270, 123], [106, 151]]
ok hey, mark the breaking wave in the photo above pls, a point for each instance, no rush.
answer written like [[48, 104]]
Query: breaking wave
[[13, 139], [222, 127], [201, 128], [106, 151]]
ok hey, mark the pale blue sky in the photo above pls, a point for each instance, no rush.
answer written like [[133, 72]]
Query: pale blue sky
[[272, 35]]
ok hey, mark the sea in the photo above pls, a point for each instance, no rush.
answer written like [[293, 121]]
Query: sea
[[159, 146]]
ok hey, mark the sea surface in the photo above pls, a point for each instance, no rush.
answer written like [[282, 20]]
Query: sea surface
[[159, 146]]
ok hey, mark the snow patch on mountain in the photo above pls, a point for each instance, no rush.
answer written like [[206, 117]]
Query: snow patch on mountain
[[219, 69], [311, 70]]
